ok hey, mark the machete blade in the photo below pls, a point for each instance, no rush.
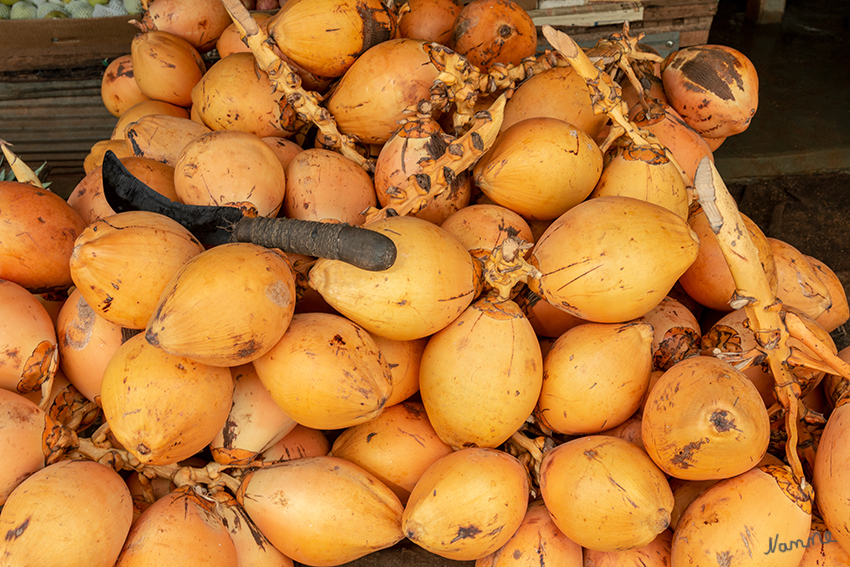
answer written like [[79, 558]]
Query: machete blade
[[124, 192]]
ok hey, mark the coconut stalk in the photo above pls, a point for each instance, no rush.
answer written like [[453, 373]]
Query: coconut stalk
[[284, 79], [606, 95], [437, 174], [461, 82], [618, 51], [754, 294]]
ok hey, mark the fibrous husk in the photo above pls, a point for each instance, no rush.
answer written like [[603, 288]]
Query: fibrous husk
[[605, 493], [258, 285], [599, 266], [467, 504], [705, 420]]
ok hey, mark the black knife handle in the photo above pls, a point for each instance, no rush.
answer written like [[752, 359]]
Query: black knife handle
[[357, 246]]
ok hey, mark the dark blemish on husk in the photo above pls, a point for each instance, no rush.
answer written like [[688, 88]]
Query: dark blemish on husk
[[686, 453], [465, 532], [248, 349], [228, 432], [17, 532], [369, 437], [374, 30], [714, 71], [722, 422], [591, 453], [143, 449], [83, 324]]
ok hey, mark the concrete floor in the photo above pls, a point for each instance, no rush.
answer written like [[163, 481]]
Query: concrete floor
[[802, 124]]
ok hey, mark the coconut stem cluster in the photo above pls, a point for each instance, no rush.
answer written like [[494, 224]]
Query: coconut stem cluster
[[772, 327], [284, 79]]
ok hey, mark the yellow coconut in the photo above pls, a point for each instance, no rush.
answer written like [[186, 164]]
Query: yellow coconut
[[644, 172], [612, 259], [373, 94], [467, 504], [162, 137], [605, 493], [758, 518], [86, 343], [326, 372], [243, 435], [404, 358], [705, 420], [252, 547], [37, 229], [431, 282], [832, 463], [322, 510], [483, 227], [22, 425], [28, 349], [166, 67], [595, 377], [511, 172], [122, 264], [480, 377], [325, 37], [555, 93], [189, 320], [82, 508], [181, 526], [537, 543], [160, 407], [325, 185], [397, 446], [236, 95], [229, 167]]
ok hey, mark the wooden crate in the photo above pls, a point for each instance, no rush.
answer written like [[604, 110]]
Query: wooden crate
[[63, 43], [665, 23], [54, 118]]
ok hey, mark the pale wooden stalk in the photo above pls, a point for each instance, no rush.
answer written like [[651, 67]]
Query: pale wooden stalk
[[753, 294], [284, 79], [606, 97]]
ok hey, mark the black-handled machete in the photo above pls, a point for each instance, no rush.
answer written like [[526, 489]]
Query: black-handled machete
[[213, 225]]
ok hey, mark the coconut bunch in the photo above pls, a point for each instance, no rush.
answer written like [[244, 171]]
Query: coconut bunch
[[533, 380]]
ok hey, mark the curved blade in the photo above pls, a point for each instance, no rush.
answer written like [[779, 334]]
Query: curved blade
[[124, 192], [212, 226]]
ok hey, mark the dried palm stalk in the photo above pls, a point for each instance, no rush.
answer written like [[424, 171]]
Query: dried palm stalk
[[284, 79]]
